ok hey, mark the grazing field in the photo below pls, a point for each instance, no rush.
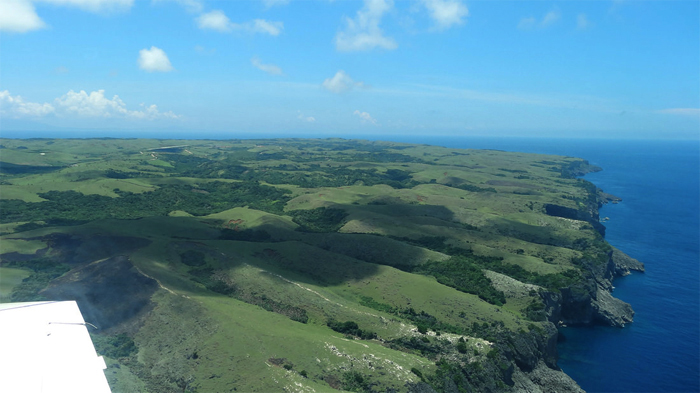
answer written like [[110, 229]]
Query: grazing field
[[304, 265]]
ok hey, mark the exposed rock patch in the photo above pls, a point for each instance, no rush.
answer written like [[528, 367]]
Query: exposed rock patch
[[610, 310], [510, 286], [624, 263], [543, 379]]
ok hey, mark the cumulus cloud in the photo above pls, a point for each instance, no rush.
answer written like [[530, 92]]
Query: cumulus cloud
[[680, 111], [548, 19], [96, 104], [19, 16], [582, 22], [341, 83], [307, 119], [365, 117], [214, 20], [15, 106], [269, 68], [218, 21], [363, 32], [446, 13], [79, 104], [154, 60]]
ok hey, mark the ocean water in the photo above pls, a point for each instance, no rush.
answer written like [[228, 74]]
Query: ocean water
[[657, 222]]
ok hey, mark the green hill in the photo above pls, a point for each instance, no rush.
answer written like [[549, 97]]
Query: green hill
[[310, 264]]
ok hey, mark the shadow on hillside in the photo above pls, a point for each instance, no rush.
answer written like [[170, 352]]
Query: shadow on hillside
[[528, 232], [335, 258], [111, 291]]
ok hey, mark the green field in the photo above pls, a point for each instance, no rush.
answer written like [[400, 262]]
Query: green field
[[9, 279], [301, 265]]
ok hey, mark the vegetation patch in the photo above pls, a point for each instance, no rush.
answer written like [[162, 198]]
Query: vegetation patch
[[43, 270], [321, 219], [115, 347], [463, 274], [351, 328], [72, 206]]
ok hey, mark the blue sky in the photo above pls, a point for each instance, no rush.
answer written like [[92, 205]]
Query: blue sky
[[627, 69]]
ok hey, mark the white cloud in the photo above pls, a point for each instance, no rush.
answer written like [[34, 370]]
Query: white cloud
[[680, 111], [446, 13], [15, 106], [79, 104], [341, 83], [269, 68], [154, 60], [90, 105], [214, 20], [308, 119], [582, 22], [217, 20], [363, 32], [19, 16], [96, 104], [365, 117]]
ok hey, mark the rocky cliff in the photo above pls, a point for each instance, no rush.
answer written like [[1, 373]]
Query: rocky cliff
[[590, 301]]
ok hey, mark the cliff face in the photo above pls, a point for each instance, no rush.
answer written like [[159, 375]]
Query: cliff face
[[535, 357], [590, 301]]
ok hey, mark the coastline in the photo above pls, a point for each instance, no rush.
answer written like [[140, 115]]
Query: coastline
[[655, 224], [592, 305]]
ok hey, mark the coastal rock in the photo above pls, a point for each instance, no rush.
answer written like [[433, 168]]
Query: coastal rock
[[510, 287], [610, 310], [591, 302], [577, 303], [529, 349], [552, 305], [606, 198], [589, 214], [543, 379], [623, 263]]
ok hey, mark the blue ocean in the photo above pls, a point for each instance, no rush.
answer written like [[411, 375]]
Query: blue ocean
[[657, 222]]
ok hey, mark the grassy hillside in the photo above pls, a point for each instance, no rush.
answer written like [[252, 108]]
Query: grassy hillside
[[299, 265]]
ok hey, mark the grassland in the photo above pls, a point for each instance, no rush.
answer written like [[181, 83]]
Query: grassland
[[241, 253]]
